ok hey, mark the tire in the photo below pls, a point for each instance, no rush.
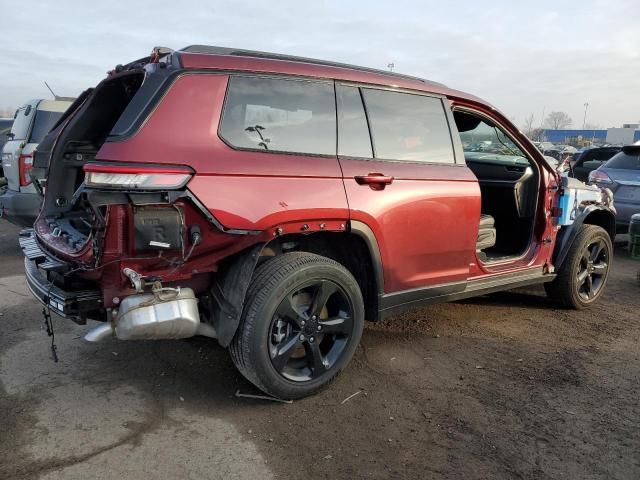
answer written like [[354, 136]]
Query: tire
[[279, 325], [582, 278]]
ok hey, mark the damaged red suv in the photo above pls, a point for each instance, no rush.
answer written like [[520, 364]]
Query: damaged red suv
[[276, 202]]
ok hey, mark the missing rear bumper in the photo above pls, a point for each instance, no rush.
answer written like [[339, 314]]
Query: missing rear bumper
[[75, 305]]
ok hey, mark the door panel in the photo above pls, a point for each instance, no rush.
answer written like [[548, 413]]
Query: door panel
[[425, 221], [423, 208]]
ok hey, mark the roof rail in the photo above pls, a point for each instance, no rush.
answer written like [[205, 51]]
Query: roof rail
[[213, 50]]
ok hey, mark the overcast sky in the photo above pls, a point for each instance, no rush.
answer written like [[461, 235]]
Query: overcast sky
[[524, 57]]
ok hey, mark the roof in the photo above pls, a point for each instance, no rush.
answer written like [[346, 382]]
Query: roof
[[224, 58]]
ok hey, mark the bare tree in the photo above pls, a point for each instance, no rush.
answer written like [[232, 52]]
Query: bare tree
[[536, 134], [558, 120], [528, 125]]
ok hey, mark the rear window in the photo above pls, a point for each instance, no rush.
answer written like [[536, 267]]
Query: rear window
[[625, 161], [43, 122], [22, 122], [597, 154], [280, 115], [408, 127]]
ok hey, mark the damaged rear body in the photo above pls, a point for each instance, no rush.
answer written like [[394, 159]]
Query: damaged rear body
[[126, 228]]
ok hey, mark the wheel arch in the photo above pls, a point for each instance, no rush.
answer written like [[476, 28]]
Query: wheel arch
[[591, 215], [356, 249]]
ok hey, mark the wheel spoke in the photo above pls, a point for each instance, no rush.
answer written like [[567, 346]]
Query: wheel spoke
[[582, 276], [340, 325], [321, 296], [600, 268], [595, 252], [287, 311], [314, 359], [284, 351], [589, 286]]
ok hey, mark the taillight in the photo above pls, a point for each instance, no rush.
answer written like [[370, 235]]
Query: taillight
[[143, 177], [599, 176], [25, 164]]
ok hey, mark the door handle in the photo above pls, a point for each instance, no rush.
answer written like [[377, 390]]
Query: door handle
[[377, 181]]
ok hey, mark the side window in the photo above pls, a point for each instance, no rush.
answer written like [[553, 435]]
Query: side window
[[410, 127], [280, 115], [353, 132], [484, 142]]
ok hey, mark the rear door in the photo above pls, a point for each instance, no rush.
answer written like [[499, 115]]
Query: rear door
[[403, 181]]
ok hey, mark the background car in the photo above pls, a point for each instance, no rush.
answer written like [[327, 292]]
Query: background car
[[591, 159], [5, 127], [621, 174], [20, 202]]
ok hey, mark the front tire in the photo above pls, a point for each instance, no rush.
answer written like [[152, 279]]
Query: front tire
[[582, 278], [301, 324]]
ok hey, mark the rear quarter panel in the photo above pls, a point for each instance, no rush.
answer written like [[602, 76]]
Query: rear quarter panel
[[245, 190]]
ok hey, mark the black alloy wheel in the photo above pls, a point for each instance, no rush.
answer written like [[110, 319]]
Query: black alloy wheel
[[594, 266], [310, 330], [301, 324]]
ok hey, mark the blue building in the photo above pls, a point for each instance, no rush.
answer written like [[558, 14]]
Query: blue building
[[575, 137]]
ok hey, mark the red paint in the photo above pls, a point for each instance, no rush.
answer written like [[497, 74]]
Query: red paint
[[424, 217], [425, 221]]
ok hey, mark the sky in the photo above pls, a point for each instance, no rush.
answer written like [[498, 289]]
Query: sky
[[523, 57]]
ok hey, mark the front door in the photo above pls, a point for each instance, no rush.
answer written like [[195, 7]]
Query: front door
[[403, 180]]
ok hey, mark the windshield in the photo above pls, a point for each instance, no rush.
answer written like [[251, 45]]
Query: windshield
[[42, 124], [625, 161], [483, 141]]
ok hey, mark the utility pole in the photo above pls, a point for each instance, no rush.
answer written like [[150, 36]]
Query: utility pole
[[390, 66], [584, 121]]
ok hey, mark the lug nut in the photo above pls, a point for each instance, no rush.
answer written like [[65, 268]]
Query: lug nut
[[314, 317], [311, 339], [302, 322], [301, 337], [319, 327]]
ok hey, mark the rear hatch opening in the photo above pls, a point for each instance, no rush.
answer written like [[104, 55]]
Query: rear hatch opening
[[67, 221]]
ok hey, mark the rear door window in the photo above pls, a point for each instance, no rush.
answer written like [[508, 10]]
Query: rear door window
[[42, 124], [353, 132], [408, 127], [625, 161], [280, 115], [22, 122]]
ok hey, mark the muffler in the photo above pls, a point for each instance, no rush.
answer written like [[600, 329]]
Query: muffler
[[166, 313]]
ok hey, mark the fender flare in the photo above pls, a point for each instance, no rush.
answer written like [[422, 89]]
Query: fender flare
[[229, 288], [567, 234]]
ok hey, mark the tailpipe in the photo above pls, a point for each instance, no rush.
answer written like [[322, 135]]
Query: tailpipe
[[166, 313]]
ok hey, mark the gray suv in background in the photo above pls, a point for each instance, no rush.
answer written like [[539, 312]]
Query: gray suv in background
[[20, 202]]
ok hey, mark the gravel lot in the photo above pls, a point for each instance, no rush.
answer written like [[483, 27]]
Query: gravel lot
[[504, 386]]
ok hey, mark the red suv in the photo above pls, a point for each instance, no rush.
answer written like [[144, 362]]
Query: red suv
[[275, 202]]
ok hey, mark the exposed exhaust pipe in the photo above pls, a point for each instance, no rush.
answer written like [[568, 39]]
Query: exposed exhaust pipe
[[166, 313]]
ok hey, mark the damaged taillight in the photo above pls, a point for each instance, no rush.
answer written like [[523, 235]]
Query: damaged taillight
[[142, 177]]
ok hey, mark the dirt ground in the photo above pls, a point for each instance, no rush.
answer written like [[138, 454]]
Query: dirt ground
[[503, 386]]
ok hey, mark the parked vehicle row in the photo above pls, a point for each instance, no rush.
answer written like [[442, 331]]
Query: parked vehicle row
[[275, 202], [621, 175], [20, 202]]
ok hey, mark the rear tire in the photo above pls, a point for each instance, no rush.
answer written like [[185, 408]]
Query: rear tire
[[583, 276], [301, 324]]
